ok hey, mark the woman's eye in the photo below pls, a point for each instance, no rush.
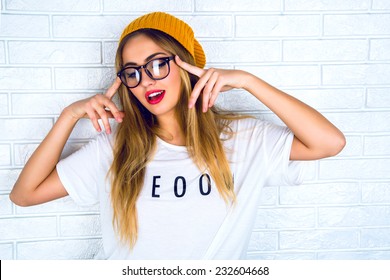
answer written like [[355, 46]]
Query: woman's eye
[[162, 64], [131, 75]]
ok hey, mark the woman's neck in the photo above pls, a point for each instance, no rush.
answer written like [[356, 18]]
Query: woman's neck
[[173, 134]]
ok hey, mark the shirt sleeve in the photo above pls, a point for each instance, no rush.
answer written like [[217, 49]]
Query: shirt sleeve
[[83, 172], [277, 141], [266, 147]]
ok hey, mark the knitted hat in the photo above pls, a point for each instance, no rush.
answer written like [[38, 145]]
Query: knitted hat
[[172, 26]]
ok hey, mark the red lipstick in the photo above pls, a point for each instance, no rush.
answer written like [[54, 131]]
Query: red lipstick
[[154, 96]]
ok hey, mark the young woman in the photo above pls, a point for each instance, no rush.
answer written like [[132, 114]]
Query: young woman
[[175, 179]]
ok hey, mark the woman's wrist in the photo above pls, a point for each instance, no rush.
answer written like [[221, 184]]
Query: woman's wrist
[[68, 116]]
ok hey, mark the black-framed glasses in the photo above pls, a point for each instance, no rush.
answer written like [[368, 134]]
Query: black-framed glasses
[[156, 69]]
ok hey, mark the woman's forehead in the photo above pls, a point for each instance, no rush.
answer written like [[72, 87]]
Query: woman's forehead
[[139, 48]]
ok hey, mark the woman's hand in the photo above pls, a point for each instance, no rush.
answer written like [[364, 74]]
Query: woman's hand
[[211, 82], [98, 107]]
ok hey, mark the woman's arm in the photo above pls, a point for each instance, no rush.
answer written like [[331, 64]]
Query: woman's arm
[[315, 137], [39, 182]]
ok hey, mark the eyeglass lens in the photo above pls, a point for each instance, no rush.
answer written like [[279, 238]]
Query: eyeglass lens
[[156, 69]]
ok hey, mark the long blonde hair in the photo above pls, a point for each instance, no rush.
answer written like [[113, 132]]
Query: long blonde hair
[[135, 141]]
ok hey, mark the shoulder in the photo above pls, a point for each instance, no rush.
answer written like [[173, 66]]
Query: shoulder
[[255, 128], [247, 124]]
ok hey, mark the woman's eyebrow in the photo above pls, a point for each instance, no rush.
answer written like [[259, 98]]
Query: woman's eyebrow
[[146, 59]]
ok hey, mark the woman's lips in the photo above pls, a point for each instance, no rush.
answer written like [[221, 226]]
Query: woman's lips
[[154, 96]]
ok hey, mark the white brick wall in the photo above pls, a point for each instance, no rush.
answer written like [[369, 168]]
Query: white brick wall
[[334, 55]]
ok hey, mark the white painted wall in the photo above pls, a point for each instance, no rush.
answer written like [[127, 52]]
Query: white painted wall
[[334, 55]]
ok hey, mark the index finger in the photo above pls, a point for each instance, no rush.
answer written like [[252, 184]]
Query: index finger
[[113, 88], [189, 68]]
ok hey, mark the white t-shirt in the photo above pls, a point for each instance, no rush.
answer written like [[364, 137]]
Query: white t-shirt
[[181, 215]]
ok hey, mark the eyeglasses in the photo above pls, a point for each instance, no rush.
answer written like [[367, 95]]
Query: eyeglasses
[[156, 69]]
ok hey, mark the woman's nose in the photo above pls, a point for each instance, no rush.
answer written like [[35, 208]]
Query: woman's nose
[[146, 80]]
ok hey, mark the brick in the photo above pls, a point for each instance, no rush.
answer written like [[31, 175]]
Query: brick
[[210, 26], [85, 225], [380, 5], [32, 227], [355, 169], [62, 205], [286, 75], [323, 193], [59, 249], [379, 49], [5, 154], [2, 52], [3, 104], [329, 5], [279, 255], [353, 148], [335, 98], [237, 6], [84, 130], [22, 152], [89, 26], [359, 74], [375, 237], [5, 205], [24, 78], [355, 255], [354, 216], [373, 192], [377, 145], [277, 218], [109, 52], [83, 78], [238, 51], [356, 24], [8, 178], [53, 5], [27, 26], [44, 103], [277, 26], [144, 6], [239, 100], [6, 251], [24, 129], [360, 122], [325, 50], [54, 52], [263, 241], [318, 239], [378, 97]]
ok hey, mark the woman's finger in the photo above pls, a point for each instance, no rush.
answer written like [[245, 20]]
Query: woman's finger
[[113, 88], [199, 87], [208, 90], [103, 115], [189, 68], [113, 109], [93, 117], [215, 92]]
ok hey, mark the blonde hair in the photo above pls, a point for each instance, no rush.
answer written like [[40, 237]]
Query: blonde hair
[[135, 141]]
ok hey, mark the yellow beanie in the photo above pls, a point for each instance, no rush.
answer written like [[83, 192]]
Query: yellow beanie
[[172, 26]]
